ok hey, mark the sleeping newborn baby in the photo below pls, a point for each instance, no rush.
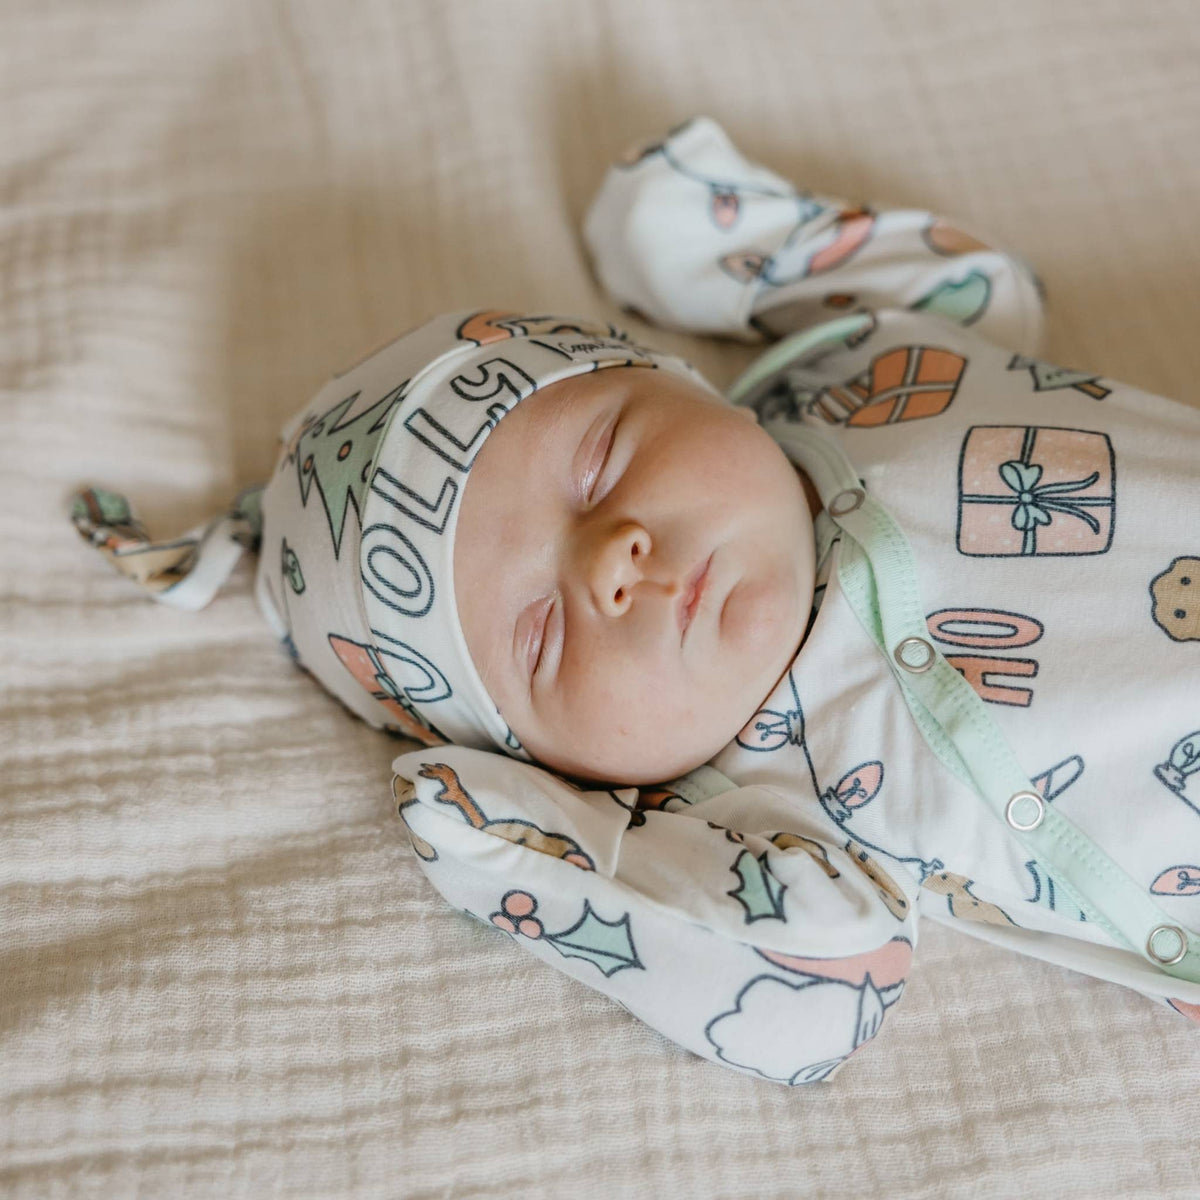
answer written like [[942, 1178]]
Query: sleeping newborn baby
[[714, 697], [634, 559]]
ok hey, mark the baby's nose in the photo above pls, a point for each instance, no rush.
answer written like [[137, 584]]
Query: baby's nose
[[616, 566]]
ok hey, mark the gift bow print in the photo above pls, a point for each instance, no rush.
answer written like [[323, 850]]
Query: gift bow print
[[1033, 502]]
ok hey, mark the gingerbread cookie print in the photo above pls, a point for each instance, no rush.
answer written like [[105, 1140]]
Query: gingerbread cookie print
[[963, 904], [565, 336], [1175, 599], [517, 830]]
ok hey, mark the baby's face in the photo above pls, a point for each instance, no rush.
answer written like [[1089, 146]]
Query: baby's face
[[589, 514]]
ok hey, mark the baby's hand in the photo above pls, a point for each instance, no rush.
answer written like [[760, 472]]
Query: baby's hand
[[689, 234], [678, 223]]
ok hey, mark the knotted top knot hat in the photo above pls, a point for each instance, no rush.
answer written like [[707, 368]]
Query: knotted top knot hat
[[356, 526]]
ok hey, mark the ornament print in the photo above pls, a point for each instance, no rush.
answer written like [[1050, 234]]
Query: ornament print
[[1182, 763]]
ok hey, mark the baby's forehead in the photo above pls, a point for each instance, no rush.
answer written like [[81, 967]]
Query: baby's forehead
[[551, 432], [551, 420], [559, 405], [562, 397]]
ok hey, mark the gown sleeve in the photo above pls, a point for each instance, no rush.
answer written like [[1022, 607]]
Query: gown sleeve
[[688, 234], [731, 925]]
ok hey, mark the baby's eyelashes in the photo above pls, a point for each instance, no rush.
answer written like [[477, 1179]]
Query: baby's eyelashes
[[550, 644], [540, 643], [598, 463], [528, 637]]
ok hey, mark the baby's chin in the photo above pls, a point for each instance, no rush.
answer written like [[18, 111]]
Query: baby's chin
[[647, 776], [659, 757]]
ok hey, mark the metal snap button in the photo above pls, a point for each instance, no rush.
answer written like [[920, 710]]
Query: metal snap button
[[927, 652], [1033, 820], [846, 502], [1167, 959]]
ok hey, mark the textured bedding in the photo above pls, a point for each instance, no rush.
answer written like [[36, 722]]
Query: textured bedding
[[221, 972]]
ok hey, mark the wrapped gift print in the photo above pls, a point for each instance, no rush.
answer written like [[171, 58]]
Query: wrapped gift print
[[1037, 489], [900, 385]]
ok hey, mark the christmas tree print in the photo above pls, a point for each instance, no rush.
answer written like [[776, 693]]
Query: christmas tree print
[[607, 945], [337, 456], [1048, 378]]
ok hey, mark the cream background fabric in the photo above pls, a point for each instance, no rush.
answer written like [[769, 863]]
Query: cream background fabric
[[221, 972]]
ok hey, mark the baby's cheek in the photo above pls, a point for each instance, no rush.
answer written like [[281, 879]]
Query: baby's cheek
[[759, 617], [621, 700]]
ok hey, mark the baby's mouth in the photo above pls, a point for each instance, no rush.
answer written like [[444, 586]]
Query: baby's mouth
[[689, 601]]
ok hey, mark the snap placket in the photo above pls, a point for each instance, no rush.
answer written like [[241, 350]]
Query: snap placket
[[1180, 939], [1025, 799], [846, 502], [927, 652]]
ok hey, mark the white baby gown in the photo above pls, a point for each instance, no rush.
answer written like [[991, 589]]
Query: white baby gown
[[762, 910]]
